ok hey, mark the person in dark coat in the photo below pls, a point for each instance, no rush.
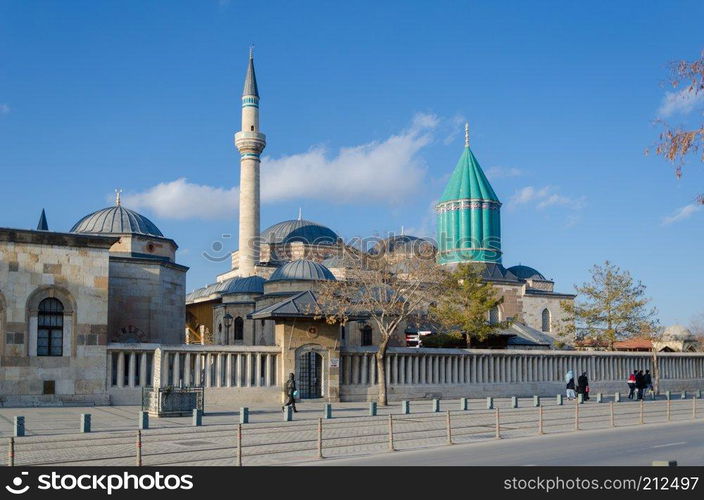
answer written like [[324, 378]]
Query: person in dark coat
[[640, 384], [290, 392], [648, 381], [583, 386]]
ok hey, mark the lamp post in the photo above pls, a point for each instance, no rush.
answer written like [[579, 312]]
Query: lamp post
[[228, 324]]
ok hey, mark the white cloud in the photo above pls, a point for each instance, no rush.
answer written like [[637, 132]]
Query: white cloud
[[181, 199], [683, 213], [497, 172], [682, 102], [4, 109], [388, 171], [545, 197]]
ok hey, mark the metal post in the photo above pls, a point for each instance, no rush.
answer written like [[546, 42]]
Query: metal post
[[405, 407], [19, 426], [139, 448], [288, 413], [391, 433], [320, 438], [489, 403], [498, 424], [694, 407], [239, 445], [143, 420], [684, 395], [536, 401], [197, 419], [540, 420], [580, 398], [558, 400], [11, 453], [641, 411], [611, 411], [327, 410], [449, 428], [669, 410], [617, 397], [599, 397], [576, 416]]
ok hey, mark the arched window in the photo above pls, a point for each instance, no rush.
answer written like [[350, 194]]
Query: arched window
[[367, 335], [50, 328], [494, 315], [239, 329], [546, 320]]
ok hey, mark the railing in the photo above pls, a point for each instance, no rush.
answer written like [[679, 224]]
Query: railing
[[409, 366], [209, 366]]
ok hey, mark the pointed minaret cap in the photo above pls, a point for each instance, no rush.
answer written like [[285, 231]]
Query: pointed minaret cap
[[42, 225], [466, 134], [250, 80]]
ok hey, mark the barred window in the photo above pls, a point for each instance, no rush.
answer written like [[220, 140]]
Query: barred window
[[546, 320], [239, 328], [494, 315], [50, 331]]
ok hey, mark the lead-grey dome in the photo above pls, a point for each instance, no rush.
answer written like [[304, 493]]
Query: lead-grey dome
[[402, 243], [526, 273], [116, 220], [299, 230], [250, 284], [302, 269]]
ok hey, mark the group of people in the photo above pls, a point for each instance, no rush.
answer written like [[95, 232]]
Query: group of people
[[638, 382], [580, 387]]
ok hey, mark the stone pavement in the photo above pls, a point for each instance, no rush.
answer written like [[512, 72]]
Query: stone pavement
[[53, 438]]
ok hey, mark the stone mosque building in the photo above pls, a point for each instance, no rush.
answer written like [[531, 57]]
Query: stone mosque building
[[289, 258]]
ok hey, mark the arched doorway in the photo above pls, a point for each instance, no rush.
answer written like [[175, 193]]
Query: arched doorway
[[309, 368]]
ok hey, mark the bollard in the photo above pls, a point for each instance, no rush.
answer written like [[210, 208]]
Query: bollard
[[372, 409], [405, 407], [327, 411], [85, 422], [668, 395], [436, 405], [239, 445], [139, 448], [197, 417], [498, 424], [464, 404], [288, 413], [664, 463], [11, 453], [699, 394], [558, 400], [320, 438], [599, 397], [489, 403], [244, 415], [669, 410], [143, 420], [611, 414], [19, 426], [684, 395], [449, 428], [580, 398], [536, 401], [641, 411], [514, 402], [576, 417], [540, 420], [391, 433], [617, 397], [694, 407]]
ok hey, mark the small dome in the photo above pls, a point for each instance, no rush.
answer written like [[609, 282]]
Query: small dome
[[116, 220], [250, 284], [401, 243], [334, 261], [302, 269], [299, 230], [526, 273], [676, 332]]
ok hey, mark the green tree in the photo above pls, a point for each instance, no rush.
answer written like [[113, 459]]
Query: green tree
[[610, 307], [465, 301]]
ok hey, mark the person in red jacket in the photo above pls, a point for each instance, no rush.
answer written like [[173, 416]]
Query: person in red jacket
[[631, 384]]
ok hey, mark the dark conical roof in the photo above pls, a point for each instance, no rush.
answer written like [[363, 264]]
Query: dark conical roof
[[42, 225], [250, 80]]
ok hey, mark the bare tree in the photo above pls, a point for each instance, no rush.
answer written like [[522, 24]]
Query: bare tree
[[390, 289]]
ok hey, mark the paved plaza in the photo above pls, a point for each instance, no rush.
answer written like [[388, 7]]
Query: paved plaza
[[53, 438]]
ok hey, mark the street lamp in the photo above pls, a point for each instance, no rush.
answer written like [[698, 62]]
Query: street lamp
[[228, 324]]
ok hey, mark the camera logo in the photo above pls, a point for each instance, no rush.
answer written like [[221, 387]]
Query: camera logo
[[17, 483]]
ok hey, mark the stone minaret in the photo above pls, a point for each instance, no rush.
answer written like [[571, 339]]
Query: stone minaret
[[250, 142]]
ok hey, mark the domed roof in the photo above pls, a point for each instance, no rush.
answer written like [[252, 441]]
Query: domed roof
[[676, 332], [299, 230], [302, 269], [116, 220], [250, 284], [334, 261], [401, 243], [526, 273]]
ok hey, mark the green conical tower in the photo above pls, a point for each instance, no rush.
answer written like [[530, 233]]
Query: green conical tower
[[468, 215]]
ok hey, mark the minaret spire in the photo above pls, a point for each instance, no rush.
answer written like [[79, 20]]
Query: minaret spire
[[42, 225], [466, 134]]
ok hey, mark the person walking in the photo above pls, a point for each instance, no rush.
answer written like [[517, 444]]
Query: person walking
[[569, 377], [583, 386], [648, 381], [640, 384], [290, 392], [631, 384]]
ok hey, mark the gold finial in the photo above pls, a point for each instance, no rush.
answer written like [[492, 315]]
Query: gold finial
[[466, 134], [117, 197]]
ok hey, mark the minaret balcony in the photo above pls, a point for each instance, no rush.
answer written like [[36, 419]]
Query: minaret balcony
[[250, 142]]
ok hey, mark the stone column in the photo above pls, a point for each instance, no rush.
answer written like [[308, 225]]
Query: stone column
[[473, 369], [462, 365], [239, 360], [197, 368], [187, 370], [387, 369], [143, 369], [372, 370], [209, 370], [268, 362], [394, 370], [422, 361], [121, 369], [110, 356], [355, 369], [132, 369], [177, 370], [365, 369], [218, 369]]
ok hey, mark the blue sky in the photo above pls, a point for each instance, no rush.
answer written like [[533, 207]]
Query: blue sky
[[363, 104]]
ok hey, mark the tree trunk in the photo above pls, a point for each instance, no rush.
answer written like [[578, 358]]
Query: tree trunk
[[381, 370], [656, 372]]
